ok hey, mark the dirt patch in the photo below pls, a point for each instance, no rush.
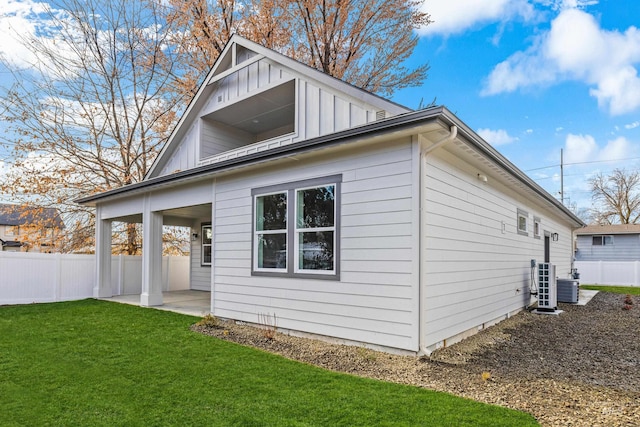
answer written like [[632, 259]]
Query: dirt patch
[[581, 368]]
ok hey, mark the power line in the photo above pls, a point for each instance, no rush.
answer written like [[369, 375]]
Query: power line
[[583, 163]]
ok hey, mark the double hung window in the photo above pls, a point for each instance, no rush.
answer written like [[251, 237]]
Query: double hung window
[[206, 244], [296, 230]]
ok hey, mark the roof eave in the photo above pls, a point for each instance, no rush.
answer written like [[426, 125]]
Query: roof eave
[[486, 149]]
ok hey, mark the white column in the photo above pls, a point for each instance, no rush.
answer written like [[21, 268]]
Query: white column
[[213, 247], [151, 257], [102, 288]]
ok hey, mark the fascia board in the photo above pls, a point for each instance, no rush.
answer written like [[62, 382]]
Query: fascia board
[[409, 122], [477, 143]]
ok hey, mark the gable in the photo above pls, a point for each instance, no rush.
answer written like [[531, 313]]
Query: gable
[[255, 99]]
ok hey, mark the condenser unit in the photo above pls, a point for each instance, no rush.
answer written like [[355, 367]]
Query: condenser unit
[[547, 287]]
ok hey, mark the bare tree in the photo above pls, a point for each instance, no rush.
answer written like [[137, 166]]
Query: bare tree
[[362, 42], [616, 197], [91, 110]]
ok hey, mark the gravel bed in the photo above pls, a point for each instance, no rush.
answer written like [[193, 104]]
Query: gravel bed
[[581, 368]]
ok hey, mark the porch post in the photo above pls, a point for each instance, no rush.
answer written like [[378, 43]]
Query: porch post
[[151, 257], [102, 288]]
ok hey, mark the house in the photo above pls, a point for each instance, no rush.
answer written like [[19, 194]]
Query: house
[[337, 212], [29, 228], [617, 242]]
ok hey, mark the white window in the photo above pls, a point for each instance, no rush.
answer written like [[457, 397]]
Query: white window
[[536, 227], [271, 232], [296, 229], [315, 229], [523, 222], [207, 237]]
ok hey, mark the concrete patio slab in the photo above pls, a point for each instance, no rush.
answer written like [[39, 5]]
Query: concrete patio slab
[[193, 303]]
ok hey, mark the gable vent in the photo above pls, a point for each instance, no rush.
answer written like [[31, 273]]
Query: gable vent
[[380, 115]]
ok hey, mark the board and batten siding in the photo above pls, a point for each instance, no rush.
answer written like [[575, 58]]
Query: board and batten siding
[[373, 300], [625, 247], [186, 154], [319, 111], [473, 272]]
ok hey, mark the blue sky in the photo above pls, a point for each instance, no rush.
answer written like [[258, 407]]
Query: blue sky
[[530, 76], [535, 77]]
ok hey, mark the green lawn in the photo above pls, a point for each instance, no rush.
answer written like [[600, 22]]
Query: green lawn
[[100, 363], [632, 290]]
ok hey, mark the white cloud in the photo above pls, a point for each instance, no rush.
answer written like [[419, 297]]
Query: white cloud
[[577, 48], [20, 19], [584, 148], [453, 17], [496, 137], [632, 125]]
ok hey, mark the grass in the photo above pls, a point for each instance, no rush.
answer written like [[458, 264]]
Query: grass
[[101, 363], [631, 290]]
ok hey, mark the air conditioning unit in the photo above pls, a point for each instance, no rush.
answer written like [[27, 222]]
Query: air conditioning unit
[[547, 287]]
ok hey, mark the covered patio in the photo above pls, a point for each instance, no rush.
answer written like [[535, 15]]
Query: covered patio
[[193, 303]]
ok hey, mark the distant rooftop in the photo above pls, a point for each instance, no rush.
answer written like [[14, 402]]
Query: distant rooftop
[[23, 215], [610, 229]]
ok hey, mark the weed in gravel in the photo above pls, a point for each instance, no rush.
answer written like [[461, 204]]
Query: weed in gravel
[[268, 325], [366, 354], [486, 376], [209, 321]]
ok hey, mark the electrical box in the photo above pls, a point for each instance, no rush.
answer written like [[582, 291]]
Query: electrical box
[[547, 287]]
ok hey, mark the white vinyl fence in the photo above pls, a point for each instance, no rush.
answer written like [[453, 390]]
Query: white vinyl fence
[[33, 277], [618, 273]]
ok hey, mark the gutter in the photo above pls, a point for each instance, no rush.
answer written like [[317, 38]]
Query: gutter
[[392, 124]]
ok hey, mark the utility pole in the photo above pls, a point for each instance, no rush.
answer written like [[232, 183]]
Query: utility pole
[[561, 178]]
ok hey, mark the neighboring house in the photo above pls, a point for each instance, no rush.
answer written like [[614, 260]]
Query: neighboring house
[[619, 242], [29, 228], [340, 213]]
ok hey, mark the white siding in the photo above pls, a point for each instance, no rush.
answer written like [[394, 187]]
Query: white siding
[[319, 111], [185, 156], [373, 300], [200, 274], [473, 273], [220, 138]]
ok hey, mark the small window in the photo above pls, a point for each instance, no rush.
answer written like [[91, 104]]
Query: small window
[[296, 229], [523, 222], [602, 240], [536, 227], [207, 236], [11, 231]]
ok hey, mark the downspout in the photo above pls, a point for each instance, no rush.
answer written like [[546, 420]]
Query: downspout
[[453, 132]]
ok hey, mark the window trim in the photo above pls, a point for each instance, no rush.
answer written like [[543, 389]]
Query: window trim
[[291, 188], [537, 228], [254, 238], [522, 214], [603, 239], [203, 244]]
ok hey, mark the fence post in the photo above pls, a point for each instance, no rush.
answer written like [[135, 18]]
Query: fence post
[[57, 280], [120, 274]]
